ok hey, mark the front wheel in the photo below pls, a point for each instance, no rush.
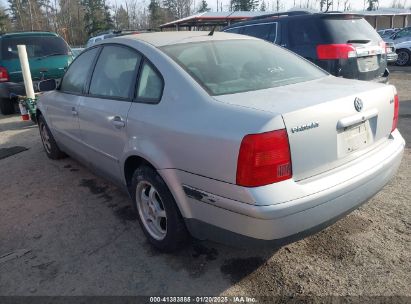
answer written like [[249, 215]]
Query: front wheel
[[404, 57], [157, 211]]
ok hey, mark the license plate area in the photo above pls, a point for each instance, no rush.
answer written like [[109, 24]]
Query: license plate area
[[367, 64], [354, 138]]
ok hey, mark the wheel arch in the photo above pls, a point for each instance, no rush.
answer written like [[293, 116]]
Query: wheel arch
[[169, 176]]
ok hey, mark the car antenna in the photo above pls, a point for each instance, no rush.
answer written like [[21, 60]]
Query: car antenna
[[212, 31]]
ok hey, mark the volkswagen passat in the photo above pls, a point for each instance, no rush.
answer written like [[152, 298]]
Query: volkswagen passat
[[222, 136]]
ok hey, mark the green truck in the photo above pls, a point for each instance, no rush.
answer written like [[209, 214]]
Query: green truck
[[49, 56]]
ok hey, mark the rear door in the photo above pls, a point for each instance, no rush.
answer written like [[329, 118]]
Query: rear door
[[103, 113]]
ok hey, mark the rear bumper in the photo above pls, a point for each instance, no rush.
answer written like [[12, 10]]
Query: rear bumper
[[392, 57], [222, 219]]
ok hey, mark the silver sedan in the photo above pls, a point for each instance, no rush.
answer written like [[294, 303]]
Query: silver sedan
[[222, 136]]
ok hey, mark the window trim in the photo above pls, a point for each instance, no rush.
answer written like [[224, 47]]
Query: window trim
[[257, 24], [134, 78], [137, 86], [87, 77]]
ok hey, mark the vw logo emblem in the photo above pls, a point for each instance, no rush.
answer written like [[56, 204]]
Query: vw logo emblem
[[358, 104]]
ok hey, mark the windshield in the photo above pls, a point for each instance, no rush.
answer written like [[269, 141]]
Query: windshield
[[232, 66], [36, 46]]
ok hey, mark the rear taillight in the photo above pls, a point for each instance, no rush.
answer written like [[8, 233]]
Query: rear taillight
[[4, 75], [384, 47], [264, 159], [396, 109], [335, 51]]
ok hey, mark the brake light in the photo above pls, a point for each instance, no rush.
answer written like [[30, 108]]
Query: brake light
[[4, 75], [336, 51], [384, 46], [264, 159], [396, 110]]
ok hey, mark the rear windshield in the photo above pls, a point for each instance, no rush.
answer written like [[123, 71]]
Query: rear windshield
[[232, 66], [348, 29], [36, 46]]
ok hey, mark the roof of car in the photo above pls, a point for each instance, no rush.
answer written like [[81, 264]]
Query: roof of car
[[168, 38]]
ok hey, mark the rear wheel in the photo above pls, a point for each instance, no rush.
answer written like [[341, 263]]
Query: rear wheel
[[157, 211], [49, 143], [6, 106], [404, 57]]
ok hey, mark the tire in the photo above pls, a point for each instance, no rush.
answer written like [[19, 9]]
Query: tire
[[6, 106], [49, 143], [404, 57], [157, 211]]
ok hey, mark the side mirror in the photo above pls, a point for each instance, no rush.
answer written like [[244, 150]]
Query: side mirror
[[47, 85]]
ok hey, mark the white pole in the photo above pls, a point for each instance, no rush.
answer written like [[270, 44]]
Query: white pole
[[25, 69]]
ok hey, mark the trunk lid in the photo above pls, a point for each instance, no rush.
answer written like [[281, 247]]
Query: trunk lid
[[325, 129]]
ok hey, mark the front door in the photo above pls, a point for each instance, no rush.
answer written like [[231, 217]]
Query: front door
[[63, 110]]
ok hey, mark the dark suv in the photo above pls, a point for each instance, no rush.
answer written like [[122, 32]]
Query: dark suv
[[48, 54], [345, 45]]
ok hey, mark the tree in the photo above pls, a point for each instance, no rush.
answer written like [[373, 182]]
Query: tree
[[244, 5], [263, 6], [97, 16], [5, 23], [121, 18], [325, 5], [398, 3], [347, 5], [178, 9], [156, 16], [372, 5], [204, 7]]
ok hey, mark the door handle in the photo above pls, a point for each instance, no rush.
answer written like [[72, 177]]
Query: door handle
[[118, 122], [74, 111]]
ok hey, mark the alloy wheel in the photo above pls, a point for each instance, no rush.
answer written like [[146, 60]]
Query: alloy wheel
[[151, 210]]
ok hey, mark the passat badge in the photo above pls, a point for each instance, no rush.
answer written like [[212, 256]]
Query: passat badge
[[305, 127], [358, 104]]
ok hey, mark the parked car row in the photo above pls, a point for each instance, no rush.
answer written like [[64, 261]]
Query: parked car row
[[401, 39]]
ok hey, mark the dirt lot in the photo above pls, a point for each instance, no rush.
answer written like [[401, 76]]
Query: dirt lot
[[69, 232]]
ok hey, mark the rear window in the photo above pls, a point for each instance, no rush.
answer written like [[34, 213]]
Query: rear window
[[345, 29], [232, 66], [36, 46]]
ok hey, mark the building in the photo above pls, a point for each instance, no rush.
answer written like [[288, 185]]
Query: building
[[388, 18]]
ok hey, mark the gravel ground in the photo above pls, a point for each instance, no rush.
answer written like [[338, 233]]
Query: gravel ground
[[70, 232]]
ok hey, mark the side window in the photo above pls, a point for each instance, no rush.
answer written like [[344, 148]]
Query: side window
[[114, 72], [76, 75], [234, 30], [150, 84], [404, 33], [303, 33], [264, 31]]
